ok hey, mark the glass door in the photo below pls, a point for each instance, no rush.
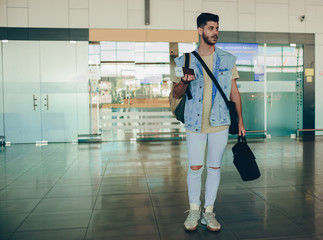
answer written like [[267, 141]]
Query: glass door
[[271, 86], [58, 91], [129, 88], [1, 95], [284, 78], [22, 104], [251, 84]]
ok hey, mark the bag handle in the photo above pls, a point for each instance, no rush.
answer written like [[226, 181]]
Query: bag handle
[[242, 139], [187, 65], [212, 77]]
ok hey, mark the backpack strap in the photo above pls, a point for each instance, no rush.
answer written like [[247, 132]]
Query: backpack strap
[[187, 65]]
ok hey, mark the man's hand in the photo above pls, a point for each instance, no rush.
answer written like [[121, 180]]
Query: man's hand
[[242, 130], [187, 78], [180, 88]]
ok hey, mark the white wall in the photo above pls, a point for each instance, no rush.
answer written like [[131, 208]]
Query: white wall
[[235, 15]]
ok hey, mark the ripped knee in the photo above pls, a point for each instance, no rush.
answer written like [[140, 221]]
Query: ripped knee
[[215, 167], [196, 168]]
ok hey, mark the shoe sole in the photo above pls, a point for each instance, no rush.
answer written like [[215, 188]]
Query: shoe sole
[[211, 229], [190, 229]]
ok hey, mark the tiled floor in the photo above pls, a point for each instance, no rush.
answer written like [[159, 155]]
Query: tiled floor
[[124, 190]]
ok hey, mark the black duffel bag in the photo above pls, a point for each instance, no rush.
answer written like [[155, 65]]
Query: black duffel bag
[[245, 160]]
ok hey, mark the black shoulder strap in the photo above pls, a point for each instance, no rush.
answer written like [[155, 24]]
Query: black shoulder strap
[[187, 65], [212, 77], [187, 60]]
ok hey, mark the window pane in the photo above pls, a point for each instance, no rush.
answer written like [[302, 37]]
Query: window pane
[[125, 55], [151, 57], [139, 47], [125, 46], [186, 47], [108, 46], [94, 49], [108, 70], [94, 59], [157, 47], [125, 69], [108, 56], [139, 57]]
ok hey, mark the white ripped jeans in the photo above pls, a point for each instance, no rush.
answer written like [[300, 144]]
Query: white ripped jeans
[[196, 145]]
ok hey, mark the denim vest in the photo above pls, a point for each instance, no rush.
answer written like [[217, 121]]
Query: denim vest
[[222, 65]]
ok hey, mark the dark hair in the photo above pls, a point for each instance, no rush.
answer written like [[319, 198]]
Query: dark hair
[[203, 18]]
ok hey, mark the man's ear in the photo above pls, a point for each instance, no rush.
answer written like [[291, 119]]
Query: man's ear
[[200, 31]]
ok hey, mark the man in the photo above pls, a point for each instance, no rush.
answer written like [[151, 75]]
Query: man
[[207, 118]]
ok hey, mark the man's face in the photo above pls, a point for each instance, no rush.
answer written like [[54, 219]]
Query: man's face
[[210, 32]]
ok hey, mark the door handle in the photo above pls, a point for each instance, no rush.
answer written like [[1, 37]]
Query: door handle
[[47, 101], [34, 102], [270, 98]]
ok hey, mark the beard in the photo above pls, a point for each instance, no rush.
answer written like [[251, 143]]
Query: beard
[[207, 39]]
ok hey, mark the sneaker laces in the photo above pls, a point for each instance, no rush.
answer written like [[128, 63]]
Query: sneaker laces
[[193, 215], [210, 217]]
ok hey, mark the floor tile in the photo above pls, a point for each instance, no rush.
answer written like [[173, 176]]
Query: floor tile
[[68, 234], [123, 179], [124, 171], [67, 182], [291, 238], [9, 224], [286, 192], [266, 228], [236, 195], [123, 188], [72, 191], [65, 204], [171, 214], [23, 193], [122, 216], [142, 231], [315, 189], [122, 200], [244, 211], [163, 187], [57, 220], [171, 199], [311, 223], [298, 207], [18, 206]]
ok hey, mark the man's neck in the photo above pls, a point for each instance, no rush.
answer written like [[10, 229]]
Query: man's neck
[[205, 49]]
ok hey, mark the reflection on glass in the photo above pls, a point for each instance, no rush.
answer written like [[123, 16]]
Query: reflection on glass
[[108, 70], [144, 76], [125, 55], [108, 46], [139, 72], [108, 56], [94, 59], [129, 46], [94, 49]]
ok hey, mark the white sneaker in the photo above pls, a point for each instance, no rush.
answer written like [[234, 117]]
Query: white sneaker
[[193, 217], [208, 219]]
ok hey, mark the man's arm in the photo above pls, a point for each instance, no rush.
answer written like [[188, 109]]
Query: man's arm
[[235, 97], [180, 88]]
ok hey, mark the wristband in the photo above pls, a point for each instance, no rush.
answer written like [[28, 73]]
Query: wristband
[[185, 82]]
